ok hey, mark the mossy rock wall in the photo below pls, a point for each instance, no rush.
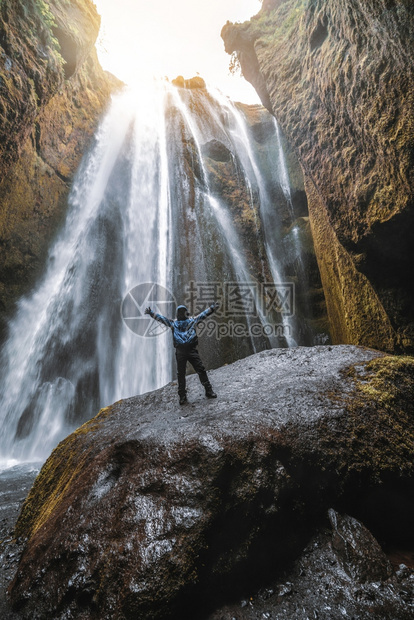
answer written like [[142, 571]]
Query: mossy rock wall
[[338, 76], [52, 93]]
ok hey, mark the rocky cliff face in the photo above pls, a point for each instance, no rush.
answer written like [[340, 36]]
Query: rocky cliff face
[[339, 78], [52, 92], [154, 511]]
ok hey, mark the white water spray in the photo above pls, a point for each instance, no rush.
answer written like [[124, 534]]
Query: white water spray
[[66, 349]]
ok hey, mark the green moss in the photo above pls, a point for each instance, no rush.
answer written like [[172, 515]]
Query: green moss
[[370, 442], [279, 23], [378, 432], [45, 13], [390, 383], [57, 475], [48, 20]]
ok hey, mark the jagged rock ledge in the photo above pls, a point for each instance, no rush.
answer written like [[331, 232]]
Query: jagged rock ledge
[[154, 511], [192, 83]]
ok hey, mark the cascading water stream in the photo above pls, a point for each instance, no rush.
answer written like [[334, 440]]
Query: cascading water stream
[[254, 178], [283, 174], [148, 211], [294, 239], [67, 354], [142, 210], [198, 132]]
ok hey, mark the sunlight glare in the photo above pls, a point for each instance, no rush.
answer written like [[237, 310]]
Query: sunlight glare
[[141, 39]]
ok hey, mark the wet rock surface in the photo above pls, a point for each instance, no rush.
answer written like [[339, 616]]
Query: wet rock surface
[[15, 484], [357, 551], [194, 82], [153, 510], [315, 586]]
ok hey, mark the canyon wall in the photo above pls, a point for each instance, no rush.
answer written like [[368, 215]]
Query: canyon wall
[[338, 76], [52, 93]]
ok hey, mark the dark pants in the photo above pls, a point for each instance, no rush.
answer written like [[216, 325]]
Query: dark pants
[[189, 354]]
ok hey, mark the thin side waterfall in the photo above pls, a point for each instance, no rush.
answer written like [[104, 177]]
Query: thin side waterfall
[[200, 132], [170, 195], [294, 240], [283, 171], [238, 132]]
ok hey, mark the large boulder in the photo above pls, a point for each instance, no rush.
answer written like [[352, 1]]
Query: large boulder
[[339, 77], [151, 510]]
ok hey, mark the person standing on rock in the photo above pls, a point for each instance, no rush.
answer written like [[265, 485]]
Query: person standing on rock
[[185, 342]]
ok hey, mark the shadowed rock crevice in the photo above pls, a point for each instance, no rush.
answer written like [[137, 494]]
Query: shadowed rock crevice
[[319, 35], [216, 150], [68, 49]]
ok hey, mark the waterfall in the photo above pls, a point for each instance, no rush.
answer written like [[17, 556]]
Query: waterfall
[[67, 354], [147, 215], [254, 179], [200, 132]]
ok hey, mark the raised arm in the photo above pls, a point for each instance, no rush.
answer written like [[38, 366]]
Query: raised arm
[[159, 317], [206, 312]]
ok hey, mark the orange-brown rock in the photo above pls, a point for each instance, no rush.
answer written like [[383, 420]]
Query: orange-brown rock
[[338, 75], [52, 93], [194, 82]]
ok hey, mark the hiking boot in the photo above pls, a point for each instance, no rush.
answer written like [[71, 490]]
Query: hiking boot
[[183, 399], [210, 393]]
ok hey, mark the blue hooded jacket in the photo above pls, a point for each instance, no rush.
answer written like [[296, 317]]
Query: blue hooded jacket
[[183, 331]]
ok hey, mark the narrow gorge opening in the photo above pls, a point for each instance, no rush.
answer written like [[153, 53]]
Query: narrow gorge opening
[[284, 487]]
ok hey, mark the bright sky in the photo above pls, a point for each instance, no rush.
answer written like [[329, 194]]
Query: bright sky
[[142, 38]]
